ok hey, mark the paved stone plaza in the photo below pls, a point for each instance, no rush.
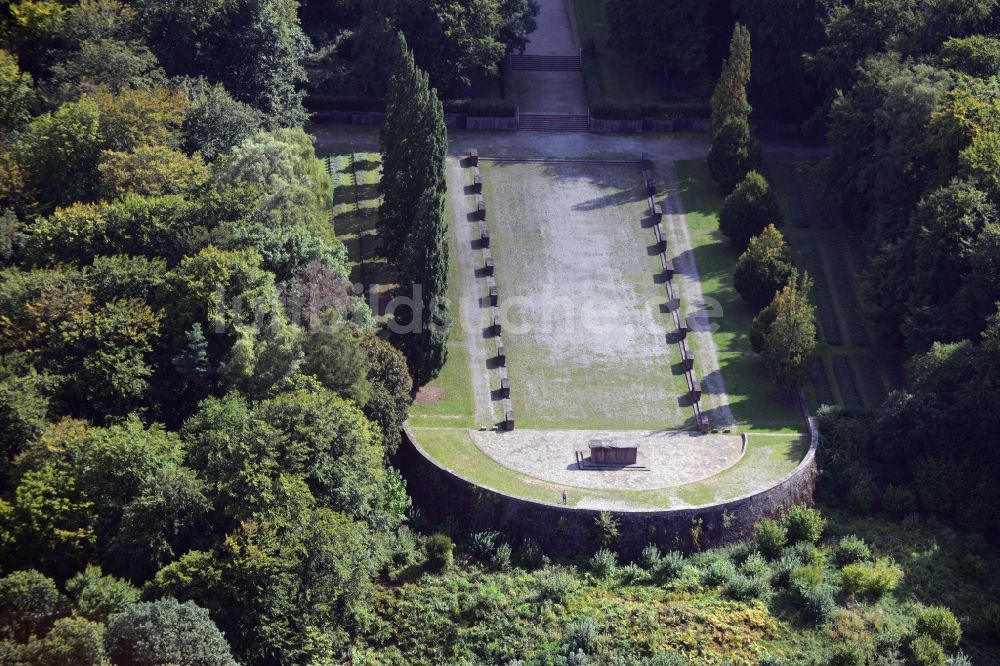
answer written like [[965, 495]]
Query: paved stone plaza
[[672, 458]]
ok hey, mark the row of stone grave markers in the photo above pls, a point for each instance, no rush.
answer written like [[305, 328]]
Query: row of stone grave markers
[[491, 283], [674, 302]]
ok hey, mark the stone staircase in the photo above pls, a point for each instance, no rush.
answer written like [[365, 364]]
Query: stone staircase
[[545, 122], [545, 63]]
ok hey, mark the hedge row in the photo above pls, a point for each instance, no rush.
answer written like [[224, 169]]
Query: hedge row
[[470, 107], [845, 380], [809, 254]]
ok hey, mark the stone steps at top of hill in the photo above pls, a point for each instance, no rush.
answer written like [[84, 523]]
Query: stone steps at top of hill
[[542, 122], [545, 63]]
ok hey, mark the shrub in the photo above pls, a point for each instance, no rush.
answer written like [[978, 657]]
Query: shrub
[[804, 524], [669, 567], [872, 579], [764, 268], [804, 579], [501, 557], [852, 549], [530, 555], [555, 585], [973, 566], [581, 636], [748, 210], [809, 553], [819, 606], [482, 544], [606, 528], [755, 565], [770, 537], [440, 552], [899, 501], [734, 153], [650, 557], [940, 624], [959, 659], [925, 651], [742, 587], [718, 572], [632, 574], [847, 654], [604, 562]]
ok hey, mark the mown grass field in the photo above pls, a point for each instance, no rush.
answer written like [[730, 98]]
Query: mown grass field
[[355, 214]]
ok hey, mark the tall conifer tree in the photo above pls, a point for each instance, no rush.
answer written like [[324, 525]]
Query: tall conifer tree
[[730, 97]]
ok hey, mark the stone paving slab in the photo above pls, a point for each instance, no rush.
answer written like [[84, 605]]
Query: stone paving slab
[[673, 458]]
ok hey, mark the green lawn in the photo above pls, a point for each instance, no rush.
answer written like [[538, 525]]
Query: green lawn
[[447, 400], [766, 460], [756, 404], [355, 214]]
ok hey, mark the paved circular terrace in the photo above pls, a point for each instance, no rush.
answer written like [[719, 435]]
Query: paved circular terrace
[[670, 458]]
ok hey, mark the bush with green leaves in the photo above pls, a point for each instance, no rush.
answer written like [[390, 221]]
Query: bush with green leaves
[[772, 660], [852, 549], [748, 210], [501, 558], [719, 571], [741, 587], [871, 579], [669, 568], [530, 555], [819, 605], [925, 651], [803, 524], [581, 636], [959, 659], [804, 579], [632, 574], [650, 557], [606, 529], [847, 654], [604, 562], [483, 544], [755, 565], [555, 584], [733, 154], [940, 624], [770, 537], [440, 552]]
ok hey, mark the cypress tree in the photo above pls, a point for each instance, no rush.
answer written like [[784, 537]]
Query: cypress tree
[[412, 224], [414, 143], [730, 97]]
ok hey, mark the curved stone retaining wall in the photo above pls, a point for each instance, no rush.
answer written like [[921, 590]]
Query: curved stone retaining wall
[[567, 530]]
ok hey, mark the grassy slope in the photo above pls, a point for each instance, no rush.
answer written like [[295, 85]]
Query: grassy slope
[[474, 615], [756, 404]]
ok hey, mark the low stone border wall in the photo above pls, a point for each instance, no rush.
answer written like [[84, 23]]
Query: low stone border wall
[[673, 301], [452, 120], [493, 293], [568, 530]]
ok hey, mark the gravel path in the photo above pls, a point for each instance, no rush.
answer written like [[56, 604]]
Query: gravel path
[[687, 279], [470, 316], [673, 458], [555, 34]]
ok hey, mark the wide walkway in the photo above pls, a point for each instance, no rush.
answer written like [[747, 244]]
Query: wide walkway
[[552, 92], [671, 458]]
